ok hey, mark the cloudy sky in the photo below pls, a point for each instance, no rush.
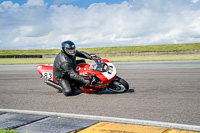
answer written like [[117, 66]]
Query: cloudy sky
[[44, 24]]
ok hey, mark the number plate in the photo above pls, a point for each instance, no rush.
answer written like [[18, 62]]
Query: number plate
[[47, 75]]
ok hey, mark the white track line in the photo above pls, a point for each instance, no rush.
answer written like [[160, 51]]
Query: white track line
[[108, 119]]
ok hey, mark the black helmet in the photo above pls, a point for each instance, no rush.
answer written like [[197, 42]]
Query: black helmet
[[69, 48]]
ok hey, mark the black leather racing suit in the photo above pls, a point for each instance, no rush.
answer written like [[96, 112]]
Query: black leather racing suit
[[63, 70]]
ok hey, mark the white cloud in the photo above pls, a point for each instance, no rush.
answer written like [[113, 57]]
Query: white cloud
[[8, 5], [35, 25], [35, 3], [195, 1]]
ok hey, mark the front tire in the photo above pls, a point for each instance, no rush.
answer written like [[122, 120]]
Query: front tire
[[119, 85]]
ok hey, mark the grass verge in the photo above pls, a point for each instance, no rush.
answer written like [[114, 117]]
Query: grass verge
[[17, 61], [154, 58], [8, 131]]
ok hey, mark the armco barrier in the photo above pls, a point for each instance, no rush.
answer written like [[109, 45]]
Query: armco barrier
[[111, 54], [20, 56]]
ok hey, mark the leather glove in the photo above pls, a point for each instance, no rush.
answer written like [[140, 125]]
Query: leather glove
[[94, 55]]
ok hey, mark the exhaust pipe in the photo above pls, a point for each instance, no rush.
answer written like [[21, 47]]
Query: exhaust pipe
[[53, 84]]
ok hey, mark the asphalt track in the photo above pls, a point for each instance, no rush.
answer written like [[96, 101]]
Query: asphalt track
[[164, 91]]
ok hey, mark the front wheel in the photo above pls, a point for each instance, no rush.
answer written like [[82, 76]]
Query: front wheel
[[119, 85]]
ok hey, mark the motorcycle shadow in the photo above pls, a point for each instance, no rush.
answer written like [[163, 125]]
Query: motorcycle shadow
[[111, 92], [78, 92]]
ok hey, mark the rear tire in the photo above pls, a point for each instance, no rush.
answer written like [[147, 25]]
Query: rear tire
[[119, 85]]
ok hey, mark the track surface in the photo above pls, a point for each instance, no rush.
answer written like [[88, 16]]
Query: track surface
[[166, 94]]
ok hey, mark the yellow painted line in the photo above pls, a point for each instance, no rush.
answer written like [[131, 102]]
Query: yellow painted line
[[107, 127], [181, 131]]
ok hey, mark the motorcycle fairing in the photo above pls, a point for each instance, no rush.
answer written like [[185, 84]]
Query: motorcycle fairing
[[103, 70], [46, 71]]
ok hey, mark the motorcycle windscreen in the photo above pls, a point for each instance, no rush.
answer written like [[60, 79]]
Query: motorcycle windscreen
[[101, 66]]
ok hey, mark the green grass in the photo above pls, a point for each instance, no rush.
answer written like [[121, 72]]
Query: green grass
[[147, 48], [14, 61], [154, 58], [18, 61], [8, 131], [29, 52]]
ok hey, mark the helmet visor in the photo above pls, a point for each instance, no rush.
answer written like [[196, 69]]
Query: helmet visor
[[70, 51]]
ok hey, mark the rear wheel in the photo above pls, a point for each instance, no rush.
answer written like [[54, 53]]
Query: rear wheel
[[119, 85]]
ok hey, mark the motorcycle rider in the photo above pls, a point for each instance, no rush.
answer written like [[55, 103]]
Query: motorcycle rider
[[64, 67]]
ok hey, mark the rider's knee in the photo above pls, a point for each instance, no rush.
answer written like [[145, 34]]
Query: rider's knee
[[67, 92]]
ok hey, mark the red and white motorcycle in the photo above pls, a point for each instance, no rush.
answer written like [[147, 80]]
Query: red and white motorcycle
[[103, 76]]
